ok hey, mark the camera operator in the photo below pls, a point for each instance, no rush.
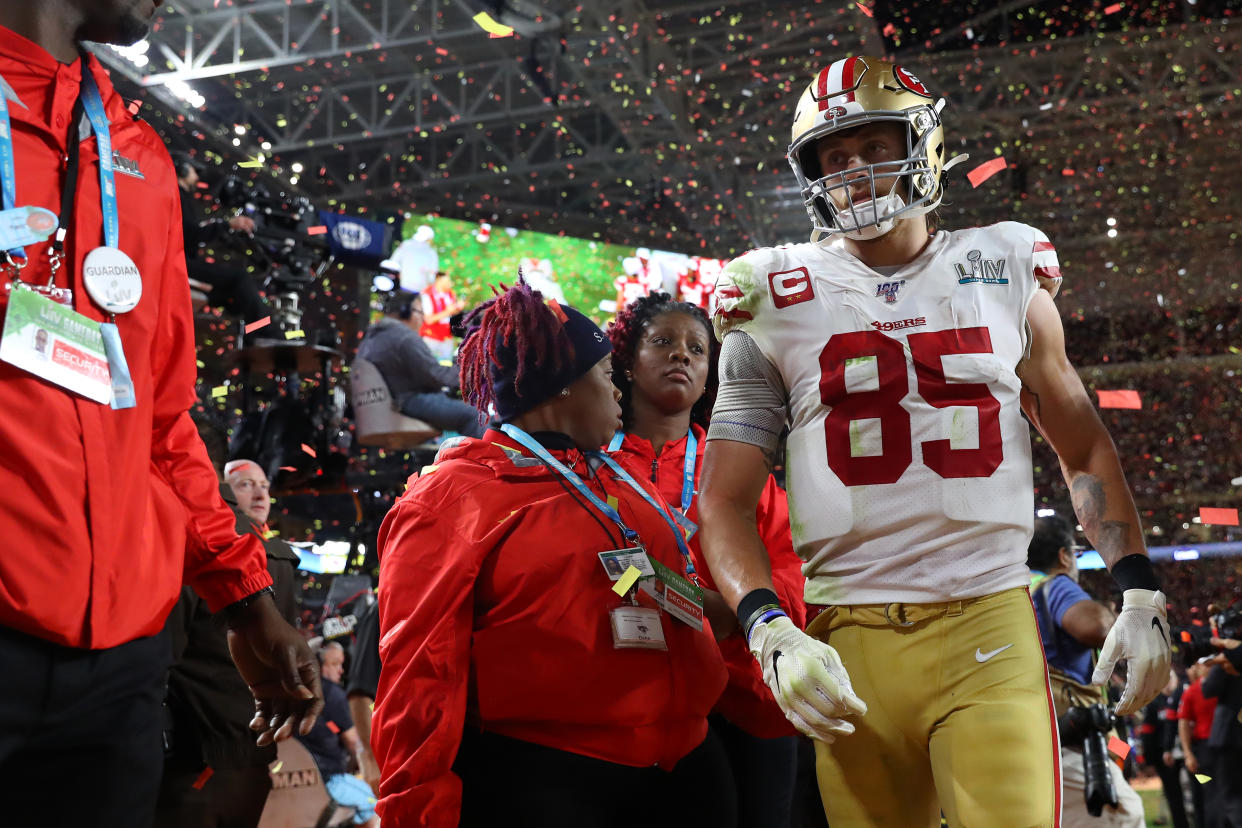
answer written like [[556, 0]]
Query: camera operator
[[231, 287], [415, 378], [1224, 683], [1071, 626]]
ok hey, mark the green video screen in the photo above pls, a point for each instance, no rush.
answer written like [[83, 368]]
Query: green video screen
[[592, 276]]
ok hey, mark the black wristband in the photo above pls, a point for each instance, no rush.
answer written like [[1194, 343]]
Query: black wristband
[[237, 606], [1135, 572], [754, 603]]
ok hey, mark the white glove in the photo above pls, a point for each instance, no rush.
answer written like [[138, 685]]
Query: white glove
[[1140, 637], [806, 678]]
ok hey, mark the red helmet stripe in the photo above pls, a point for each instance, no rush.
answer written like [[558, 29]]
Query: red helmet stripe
[[821, 88]]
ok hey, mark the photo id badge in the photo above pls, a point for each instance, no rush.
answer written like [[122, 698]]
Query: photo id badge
[[25, 225], [56, 343], [112, 279], [637, 628], [675, 595], [617, 561]]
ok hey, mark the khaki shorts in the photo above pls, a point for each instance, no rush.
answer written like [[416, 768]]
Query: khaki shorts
[[959, 717]]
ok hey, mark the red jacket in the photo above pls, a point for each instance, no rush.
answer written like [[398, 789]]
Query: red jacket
[[1198, 710], [85, 561], [747, 702], [495, 611]]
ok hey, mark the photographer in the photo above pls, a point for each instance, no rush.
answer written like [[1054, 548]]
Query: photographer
[[1224, 684], [231, 287], [1071, 625]]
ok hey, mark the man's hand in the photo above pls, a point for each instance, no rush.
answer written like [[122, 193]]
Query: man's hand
[[274, 660], [1221, 658], [242, 224], [1141, 639], [806, 678], [370, 769], [1192, 764]]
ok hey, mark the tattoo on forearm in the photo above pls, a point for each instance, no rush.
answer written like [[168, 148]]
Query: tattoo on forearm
[[1111, 537]]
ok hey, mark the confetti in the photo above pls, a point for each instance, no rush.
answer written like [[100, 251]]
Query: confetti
[[317, 231], [1218, 517], [258, 323], [1113, 9], [1119, 399], [1118, 748], [332, 725], [487, 24], [295, 334], [202, 778], [220, 391], [985, 171], [1202, 778], [307, 449], [279, 764]]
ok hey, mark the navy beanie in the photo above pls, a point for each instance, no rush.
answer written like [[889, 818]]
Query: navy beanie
[[588, 345]]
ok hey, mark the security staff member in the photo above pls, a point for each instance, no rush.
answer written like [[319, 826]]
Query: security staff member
[[99, 446]]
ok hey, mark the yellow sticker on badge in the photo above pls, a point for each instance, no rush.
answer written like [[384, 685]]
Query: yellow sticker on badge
[[627, 580]]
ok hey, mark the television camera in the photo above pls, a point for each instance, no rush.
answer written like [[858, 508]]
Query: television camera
[[289, 259]]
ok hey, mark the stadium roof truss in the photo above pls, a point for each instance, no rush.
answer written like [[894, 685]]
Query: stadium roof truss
[[640, 121]]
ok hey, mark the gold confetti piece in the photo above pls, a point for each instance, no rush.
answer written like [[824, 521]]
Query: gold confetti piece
[[220, 391], [280, 764], [627, 580], [1203, 778], [295, 334]]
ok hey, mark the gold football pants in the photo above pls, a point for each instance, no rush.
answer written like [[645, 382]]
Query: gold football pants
[[959, 717]]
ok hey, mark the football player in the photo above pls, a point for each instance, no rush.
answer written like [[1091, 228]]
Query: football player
[[900, 359]]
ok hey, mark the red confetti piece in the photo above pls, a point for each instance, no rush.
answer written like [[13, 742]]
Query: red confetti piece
[[261, 323], [865, 9], [332, 726], [288, 468], [1120, 399], [985, 171], [308, 450], [556, 309], [1118, 748], [133, 107], [202, 778], [1186, 636], [1067, 171], [1218, 517], [1113, 9], [316, 231]]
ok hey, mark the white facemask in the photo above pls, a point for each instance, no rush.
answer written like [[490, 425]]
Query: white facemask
[[870, 219]]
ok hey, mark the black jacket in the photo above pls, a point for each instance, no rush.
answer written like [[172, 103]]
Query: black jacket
[[1227, 690], [209, 705]]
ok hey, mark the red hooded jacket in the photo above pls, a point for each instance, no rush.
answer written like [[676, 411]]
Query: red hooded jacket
[[495, 611], [747, 702]]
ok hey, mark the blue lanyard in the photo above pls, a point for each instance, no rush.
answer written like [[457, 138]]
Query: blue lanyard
[[8, 174], [574, 480], [687, 474], [92, 103], [678, 534]]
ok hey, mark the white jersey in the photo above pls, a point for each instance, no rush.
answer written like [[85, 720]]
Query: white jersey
[[908, 459]]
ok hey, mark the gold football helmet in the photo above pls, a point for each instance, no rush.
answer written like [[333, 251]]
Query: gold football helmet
[[852, 92]]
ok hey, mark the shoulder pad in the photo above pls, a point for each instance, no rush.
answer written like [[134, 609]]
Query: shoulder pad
[[741, 289], [1044, 264]]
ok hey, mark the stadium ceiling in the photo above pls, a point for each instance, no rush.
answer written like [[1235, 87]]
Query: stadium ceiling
[[665, 123]]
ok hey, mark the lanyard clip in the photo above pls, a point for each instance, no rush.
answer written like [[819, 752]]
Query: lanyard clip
[[14, 265]]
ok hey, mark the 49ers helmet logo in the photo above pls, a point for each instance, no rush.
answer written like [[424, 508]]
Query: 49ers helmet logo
[[910, 82]]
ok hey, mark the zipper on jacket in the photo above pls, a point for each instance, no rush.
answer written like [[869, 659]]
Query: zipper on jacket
[[654, 469]]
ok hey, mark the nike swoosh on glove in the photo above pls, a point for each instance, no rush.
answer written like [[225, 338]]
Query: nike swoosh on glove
[[806, 678], [1140, 637]]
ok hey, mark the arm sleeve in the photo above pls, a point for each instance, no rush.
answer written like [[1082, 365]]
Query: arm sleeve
[[751, 400], [428, 569], [219, 565], [1062, 594], [1215, 683], [364, 659], [423, 365], [773, 519], [336, 710]]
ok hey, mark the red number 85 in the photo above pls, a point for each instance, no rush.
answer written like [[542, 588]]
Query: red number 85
[[884, 403]]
